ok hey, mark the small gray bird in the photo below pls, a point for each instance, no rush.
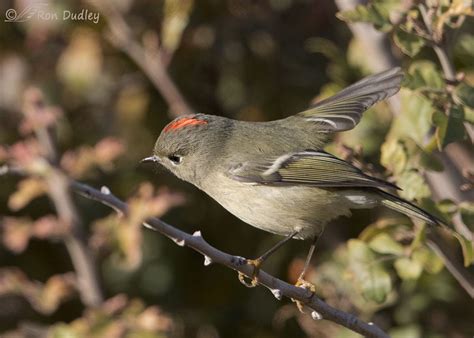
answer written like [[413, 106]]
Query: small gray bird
[[275, 175]]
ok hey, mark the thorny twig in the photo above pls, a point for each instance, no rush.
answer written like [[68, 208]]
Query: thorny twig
[[279, 288], [276, 286]]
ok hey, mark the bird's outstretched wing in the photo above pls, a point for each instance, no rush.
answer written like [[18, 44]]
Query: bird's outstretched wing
[[313, 168], [343, 111]]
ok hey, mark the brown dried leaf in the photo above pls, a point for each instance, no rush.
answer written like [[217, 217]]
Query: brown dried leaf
[[107, 150], [57, 289], [16, 233], [79, 162], [45, 298], [123, 235], [154, 319], [26, 152], [27, 190], [48, 226]]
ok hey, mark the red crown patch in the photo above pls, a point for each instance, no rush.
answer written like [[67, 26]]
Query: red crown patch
[[183, 122]]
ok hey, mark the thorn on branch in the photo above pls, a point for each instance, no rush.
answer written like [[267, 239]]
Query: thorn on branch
[[207, 260], [317, 316], [179, 242], [276, 293]]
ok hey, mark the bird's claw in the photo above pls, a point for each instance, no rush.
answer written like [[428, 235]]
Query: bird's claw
[[254, 279], [301, 283]]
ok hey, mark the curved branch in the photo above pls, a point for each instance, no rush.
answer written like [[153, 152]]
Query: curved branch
[[278, 287]]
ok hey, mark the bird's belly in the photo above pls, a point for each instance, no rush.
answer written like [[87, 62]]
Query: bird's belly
[[283, 209]]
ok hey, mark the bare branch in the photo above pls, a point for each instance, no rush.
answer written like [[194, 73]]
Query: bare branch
[[147, 56]]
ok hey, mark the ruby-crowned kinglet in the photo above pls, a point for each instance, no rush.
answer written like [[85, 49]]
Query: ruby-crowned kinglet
[[274, 175]]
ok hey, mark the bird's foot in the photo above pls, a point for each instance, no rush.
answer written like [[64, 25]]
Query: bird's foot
[[256, 263], [301, 283]]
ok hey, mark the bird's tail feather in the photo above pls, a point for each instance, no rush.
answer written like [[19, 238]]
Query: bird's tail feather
[[399, 204]]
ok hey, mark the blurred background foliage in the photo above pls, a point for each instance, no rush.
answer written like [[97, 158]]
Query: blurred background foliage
[[246, 60]]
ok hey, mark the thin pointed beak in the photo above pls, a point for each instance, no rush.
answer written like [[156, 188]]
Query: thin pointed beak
[[149, 159]]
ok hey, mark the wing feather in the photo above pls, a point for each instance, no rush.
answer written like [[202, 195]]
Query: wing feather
[[343, 111], [314, 168]]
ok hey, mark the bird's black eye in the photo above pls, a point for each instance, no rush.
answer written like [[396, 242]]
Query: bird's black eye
[[175, 159]]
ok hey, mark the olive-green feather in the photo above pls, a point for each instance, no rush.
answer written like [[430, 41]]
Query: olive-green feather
[[315, 168], [343, 111]]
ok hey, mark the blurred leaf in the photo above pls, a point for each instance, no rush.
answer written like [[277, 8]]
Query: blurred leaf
[[393, 156], [123, 236], [415, 119], [16, 233], [27, 190], [467, 214], [450, 128], [465, 93], [407, 331], [376, 12], [370, 275], [45, 298], [384, 244], [467, 247], [447, 206], [469, 115], [80, 64], [430, 261], [78, 163], [408, 268], [464, 49], [324, 46], [409, 44], [118, 317], [57, 289], [176, 18], [413, 185], [423, 75]]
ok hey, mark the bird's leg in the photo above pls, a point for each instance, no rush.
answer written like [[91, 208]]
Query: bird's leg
[[259, 261], [301, 282]]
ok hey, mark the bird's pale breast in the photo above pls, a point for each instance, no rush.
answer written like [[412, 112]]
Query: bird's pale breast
[[280, 209]]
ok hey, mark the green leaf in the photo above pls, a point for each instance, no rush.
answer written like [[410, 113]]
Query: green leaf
[[414, 120], [430, 261], [469, 115], [365, 14], [467, 214], [447, 206], [408, 268], [393, 156], [407, 331], [464, 50], [465, 94], [370, 275], [377, 12], [413, 185], [409, 44], [467, 247], [423, 75], [450, 128], [430, 161], [384, 244]]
